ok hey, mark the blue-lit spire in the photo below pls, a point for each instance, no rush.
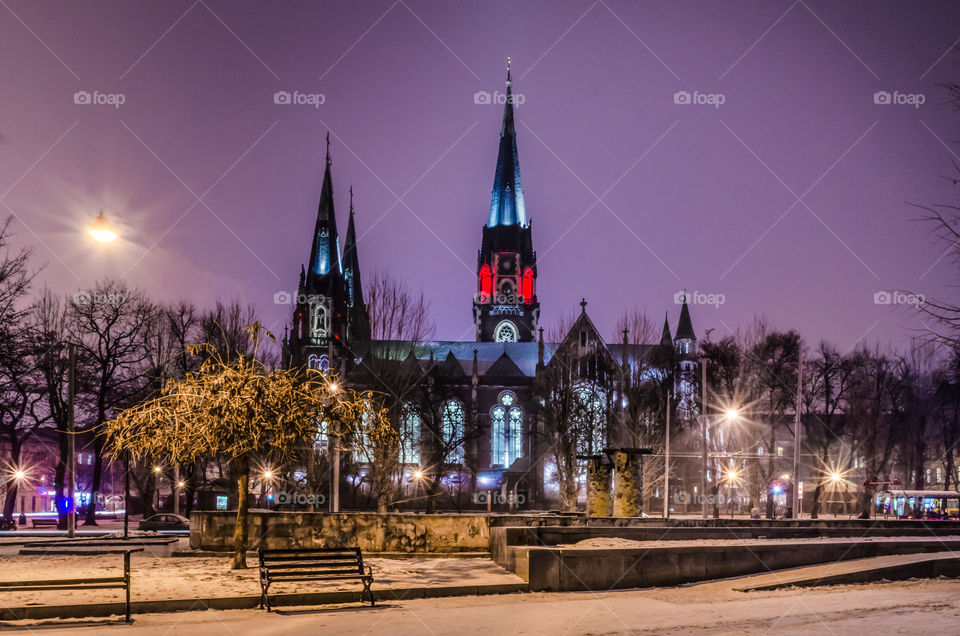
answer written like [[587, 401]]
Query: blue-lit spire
[[506, 201], [325, 252]]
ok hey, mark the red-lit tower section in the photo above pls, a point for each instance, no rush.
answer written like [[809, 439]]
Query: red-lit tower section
[[505, 307]]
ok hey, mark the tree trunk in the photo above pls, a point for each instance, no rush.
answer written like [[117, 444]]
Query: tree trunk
[[91, 519], [815, 511], [12, 485], [60, 479], [866, 501], [242, 473]]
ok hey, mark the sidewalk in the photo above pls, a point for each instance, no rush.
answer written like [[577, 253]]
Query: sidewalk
[[179, 583]]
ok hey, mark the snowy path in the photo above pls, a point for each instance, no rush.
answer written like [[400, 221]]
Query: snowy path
[[909, 607]]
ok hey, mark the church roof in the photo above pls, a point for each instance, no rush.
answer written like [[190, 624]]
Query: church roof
[[352, 261], [665, 339], [325, 251], [685, 326], [506, 200], [522, 355]]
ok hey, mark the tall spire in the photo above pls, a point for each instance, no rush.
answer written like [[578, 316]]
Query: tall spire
[[325, 251], [685, 326], [506, 201], [352, 261], [665, 339]]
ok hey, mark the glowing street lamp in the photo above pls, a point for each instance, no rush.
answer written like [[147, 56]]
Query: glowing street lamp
[[19, 475], [836, 477], [732, 414], [101, 230]]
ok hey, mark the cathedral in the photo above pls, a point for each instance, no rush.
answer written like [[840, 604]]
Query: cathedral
[[477, 419]]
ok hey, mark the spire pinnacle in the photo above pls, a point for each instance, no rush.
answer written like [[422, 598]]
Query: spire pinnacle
[[351, 200], [508, 71], [328, 147]]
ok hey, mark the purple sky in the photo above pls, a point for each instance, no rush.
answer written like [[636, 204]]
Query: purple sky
[[691, 195]]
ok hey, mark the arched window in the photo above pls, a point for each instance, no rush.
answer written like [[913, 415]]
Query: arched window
[[506, 431], [590, 417], [486, 283], [506, 331], [320, 362], [321, 322], [526, 286], [452, 418], [410, 437]]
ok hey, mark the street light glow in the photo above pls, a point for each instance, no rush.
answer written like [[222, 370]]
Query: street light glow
[[19, 475], [835, 477], [101, 231], [268, 474], [418, 474], [181, 484], [334, 387], [157, 469], [732, 414]]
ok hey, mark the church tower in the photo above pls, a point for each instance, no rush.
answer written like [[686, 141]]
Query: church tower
[[505, 308], [685, 346], [321, 315]]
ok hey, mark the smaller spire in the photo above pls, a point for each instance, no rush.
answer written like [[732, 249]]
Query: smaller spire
[[666, 340], [685, 326], [583, 306]]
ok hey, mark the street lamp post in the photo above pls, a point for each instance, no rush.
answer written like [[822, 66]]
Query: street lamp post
[[704, 422], [666, 465], [796, 506], [71, 442]]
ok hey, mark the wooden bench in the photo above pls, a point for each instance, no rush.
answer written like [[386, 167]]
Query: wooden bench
[[312, 564], [44, 521], [103, 583]]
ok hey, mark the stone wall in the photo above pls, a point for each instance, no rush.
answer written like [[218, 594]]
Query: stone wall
[[213, 530]]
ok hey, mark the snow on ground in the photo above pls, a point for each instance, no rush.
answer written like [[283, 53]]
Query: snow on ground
[[617, 543], [877, 609], [156, 578]]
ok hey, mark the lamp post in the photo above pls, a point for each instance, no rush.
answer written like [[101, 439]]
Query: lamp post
[[71, 443], [103, 233], [666, 465], [796, 506]]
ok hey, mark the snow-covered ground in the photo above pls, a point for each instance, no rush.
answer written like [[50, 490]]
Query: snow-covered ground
[[877, 609], [157, 578]]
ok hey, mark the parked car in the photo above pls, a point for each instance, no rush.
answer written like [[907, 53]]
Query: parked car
[[165, 522]]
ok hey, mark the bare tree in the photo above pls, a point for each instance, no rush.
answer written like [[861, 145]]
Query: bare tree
[[111, 324]]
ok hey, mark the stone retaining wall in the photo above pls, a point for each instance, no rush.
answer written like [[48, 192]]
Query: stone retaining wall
[[213, 530]]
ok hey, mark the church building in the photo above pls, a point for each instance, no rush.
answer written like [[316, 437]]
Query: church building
[[479, 419]]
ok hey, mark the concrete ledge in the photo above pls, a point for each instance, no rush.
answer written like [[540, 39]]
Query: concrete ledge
[[366, 555], [563, 570], [100, 610]]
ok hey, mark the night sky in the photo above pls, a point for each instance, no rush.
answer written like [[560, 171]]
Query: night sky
[[794, 198]]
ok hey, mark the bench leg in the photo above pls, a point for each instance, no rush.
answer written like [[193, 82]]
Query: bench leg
[[126, 583], [367, 590]]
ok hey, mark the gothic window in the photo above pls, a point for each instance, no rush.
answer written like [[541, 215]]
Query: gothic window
[[348, 277], [526, 286], [452, 418], [486, 283], [321, 322], [362, 446], [590, 418], [506, 431], [319, 362], [506, 331], [410, 437]]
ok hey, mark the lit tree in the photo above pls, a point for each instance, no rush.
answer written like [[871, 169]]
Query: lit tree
[[239, 410]]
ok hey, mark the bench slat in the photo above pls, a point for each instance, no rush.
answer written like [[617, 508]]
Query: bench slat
[[286, 579], [287, 573], [318, 557], [30, 588], [115, 579]]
